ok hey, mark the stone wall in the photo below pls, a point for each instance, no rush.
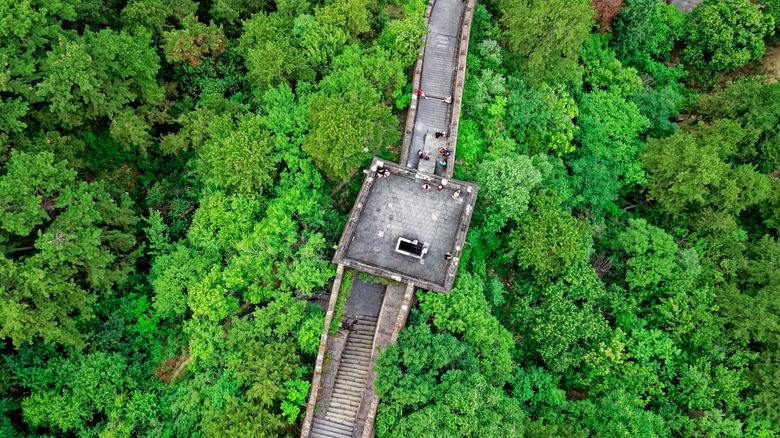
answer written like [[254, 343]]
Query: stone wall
[[400, 322], [316, 379], [460, 79]]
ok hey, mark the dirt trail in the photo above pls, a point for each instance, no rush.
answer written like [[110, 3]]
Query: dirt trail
[[768, 65]]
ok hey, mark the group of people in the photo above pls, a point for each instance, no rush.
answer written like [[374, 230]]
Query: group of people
[[445, 153], [382, 173], [455, 195], [447, 99]]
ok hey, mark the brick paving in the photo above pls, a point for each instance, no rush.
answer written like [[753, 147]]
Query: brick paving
[[398, 207]]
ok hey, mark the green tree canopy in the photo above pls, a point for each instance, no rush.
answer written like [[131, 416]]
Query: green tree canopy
[[430, 386], [346, 128], [725, 34], [547, 35], [268, 49], [104, 74], [546, 239], [64, 244], [688, 172], [506, 185], [238, 157]]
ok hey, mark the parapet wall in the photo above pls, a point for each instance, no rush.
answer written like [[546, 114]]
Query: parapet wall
[[317, 378], [460, 80]]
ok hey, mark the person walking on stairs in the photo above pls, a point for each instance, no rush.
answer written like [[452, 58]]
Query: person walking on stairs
[[420, 92]]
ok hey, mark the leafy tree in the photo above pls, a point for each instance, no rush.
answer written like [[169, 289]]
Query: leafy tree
[[632, 30], [193, 42], [100, 74], [659, 106], [604, 72], [724, 35], [772, 7], [437, 391], [547, 35], [271, 58], [404, 37], [687, 172], [72, 394], [506, 185], [351, 16], [542, 118], [546, 238], [64, 244], [357, 68], [154, 14], [755, 104], [172, 276], [238, 157], [618, 414], [319, 42], [346, 128], [195, 125], [537, 389], [223, 221], [286, 118], [606, 10], [230, 11], [464, 312], [260, 355], [652, 254], [597, 182], [285, 251], [560, 322], [27, 31], [609, 127]]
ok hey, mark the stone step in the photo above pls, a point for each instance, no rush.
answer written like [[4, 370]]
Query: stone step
[[362, 318], [360, 355], [364, 341], [346, 388], [342, 417], [329, 425], [345, 403], [355, 364], [360, 349], [345, 400], [323, 428], [353, 369], [360, 380]]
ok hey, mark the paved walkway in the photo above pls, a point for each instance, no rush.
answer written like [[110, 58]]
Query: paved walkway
[[438, 75], [344, 393]]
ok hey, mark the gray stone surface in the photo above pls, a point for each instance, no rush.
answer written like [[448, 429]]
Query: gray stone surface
[[438, 75], [397, 206], [686, 6], [365, 298]]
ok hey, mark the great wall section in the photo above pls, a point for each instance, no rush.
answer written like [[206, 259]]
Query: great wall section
[[398, 230]]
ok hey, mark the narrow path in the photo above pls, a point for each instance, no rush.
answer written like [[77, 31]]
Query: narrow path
[[438, 75], [342, 403]]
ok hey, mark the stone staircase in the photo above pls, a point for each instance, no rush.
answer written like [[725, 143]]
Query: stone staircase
[[350, 382]]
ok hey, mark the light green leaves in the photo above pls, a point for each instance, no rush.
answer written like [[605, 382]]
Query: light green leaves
[[505, 187]]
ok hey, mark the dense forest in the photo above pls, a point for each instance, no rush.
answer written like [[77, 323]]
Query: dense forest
[[176, 173]]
